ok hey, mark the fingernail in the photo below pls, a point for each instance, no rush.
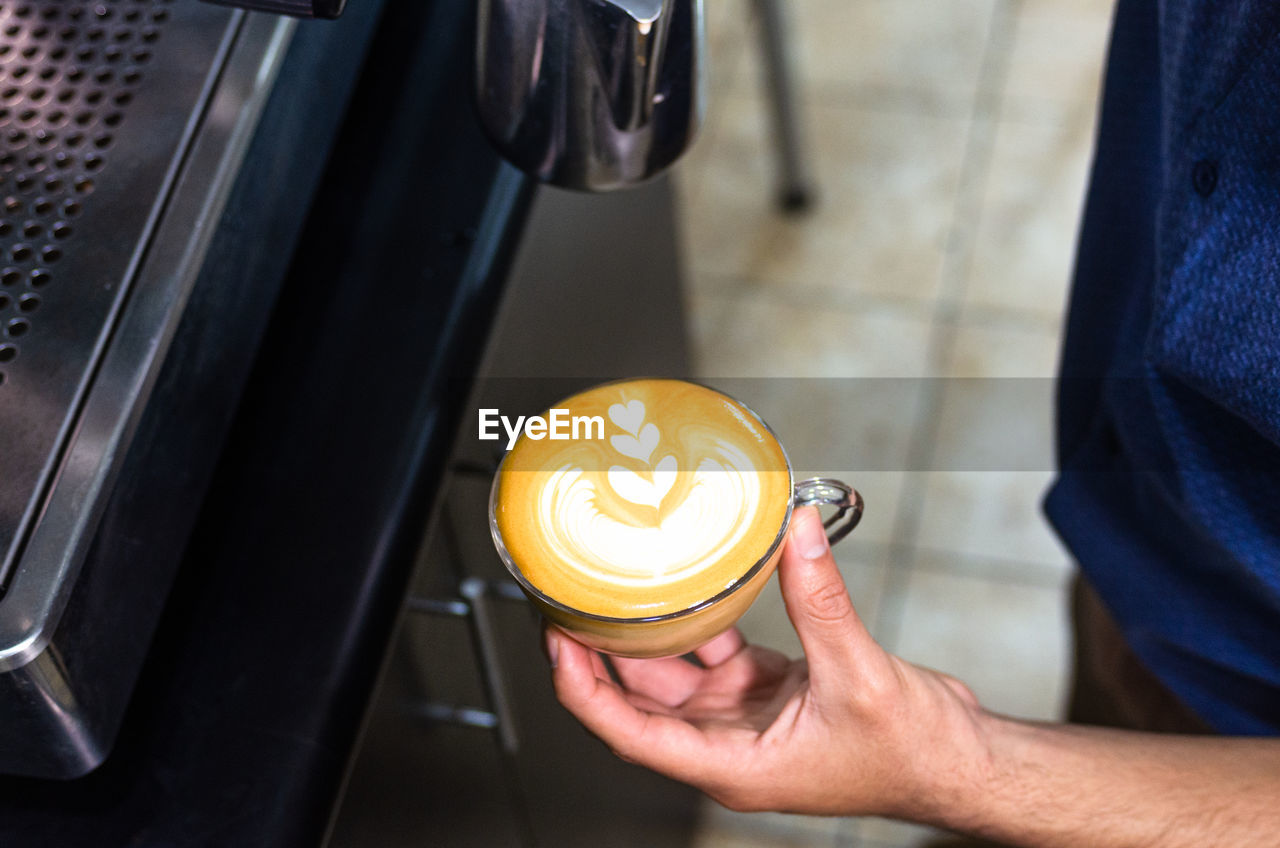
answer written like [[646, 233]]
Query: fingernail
[[811, 536], [553, 646]]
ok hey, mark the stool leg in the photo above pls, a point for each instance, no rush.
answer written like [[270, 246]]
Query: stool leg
[[795, 192]]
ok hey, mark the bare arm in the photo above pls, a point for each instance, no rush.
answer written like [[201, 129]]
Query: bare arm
[[1065, 785], [852, 730]]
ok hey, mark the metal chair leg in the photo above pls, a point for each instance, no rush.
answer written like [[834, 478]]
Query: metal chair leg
[[795, 193]]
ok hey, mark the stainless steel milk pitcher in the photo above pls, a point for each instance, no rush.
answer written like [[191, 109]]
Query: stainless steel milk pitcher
[[590, 94]]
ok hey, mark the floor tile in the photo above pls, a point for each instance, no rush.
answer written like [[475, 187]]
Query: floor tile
[[838, 387], [727, 25], [722, 828], [1005, 345], [996, 404], [887, 833], [747, 839], [993, 456], [852, 429], [1025, 241], [1008, 642], [910, 52], [766, 337], [726, 44], [825, 324], [995, 424], [706, 313], [991, 514], [886, 187], [1057, 57]]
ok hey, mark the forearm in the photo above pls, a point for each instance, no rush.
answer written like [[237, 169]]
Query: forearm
[[1065, 785]]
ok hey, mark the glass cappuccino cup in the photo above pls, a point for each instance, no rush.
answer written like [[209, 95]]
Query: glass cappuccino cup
[[643, 517]]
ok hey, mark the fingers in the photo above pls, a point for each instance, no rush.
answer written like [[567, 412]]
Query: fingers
[[671, 681], [834, 638], [657, 741], [668, 681], [722, 648], [582, 684], [598, 666]]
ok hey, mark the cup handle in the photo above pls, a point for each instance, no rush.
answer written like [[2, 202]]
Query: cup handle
[[826, 491]]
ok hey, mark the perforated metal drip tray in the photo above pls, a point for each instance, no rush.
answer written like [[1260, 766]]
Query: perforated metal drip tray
[[118, 121], [123, 126], [87, 137]]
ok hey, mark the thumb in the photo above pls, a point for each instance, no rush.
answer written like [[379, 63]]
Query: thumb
[[834, 638]]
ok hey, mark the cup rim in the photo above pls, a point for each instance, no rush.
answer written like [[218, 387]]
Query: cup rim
[[729, 590]]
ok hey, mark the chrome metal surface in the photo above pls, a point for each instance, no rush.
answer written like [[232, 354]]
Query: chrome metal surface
[[170, 145], [296, 8], [795, 183], [591, 94], [477, 593], [76, 213], [474, 607], [436, 713], [824, 491]]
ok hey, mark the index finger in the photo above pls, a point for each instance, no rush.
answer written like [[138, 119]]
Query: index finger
[[669, 681], [722, 648], [660, 742]]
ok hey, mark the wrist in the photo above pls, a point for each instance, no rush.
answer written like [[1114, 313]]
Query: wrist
[[1014, 780], [957, 791]]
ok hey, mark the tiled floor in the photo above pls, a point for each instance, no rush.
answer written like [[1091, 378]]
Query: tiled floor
[[904, 334]]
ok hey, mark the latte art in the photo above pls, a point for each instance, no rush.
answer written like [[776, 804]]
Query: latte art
[[684, 495], [722, 501]]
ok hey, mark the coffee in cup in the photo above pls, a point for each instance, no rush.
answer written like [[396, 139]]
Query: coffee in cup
[[652, 525]]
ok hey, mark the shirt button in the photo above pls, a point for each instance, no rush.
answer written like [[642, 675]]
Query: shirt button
[[1204, 177]]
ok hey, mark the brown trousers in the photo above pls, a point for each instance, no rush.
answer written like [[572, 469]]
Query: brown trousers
[[1112, 687]]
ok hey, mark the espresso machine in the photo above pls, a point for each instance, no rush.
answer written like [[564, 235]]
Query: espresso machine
[[126, 126], [250, 268]]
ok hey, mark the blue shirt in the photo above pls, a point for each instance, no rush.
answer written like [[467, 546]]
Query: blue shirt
[[1169, 393]]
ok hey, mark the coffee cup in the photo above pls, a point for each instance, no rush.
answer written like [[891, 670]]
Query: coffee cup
[[643, 517]]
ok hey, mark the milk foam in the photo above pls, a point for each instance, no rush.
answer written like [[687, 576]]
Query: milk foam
[[687, 491], [722, 502]]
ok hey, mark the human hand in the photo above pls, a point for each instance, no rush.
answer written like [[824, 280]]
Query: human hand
[[848, 730]]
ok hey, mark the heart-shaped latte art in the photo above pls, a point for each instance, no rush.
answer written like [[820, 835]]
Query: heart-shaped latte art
[[641, 448], [681, 496], [632, 487], [628, 417], [717, 509]]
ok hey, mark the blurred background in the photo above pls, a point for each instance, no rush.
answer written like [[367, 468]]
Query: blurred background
[[949, 145]]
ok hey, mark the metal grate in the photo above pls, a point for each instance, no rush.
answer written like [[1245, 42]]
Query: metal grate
[[68, 71], [98, 99]]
